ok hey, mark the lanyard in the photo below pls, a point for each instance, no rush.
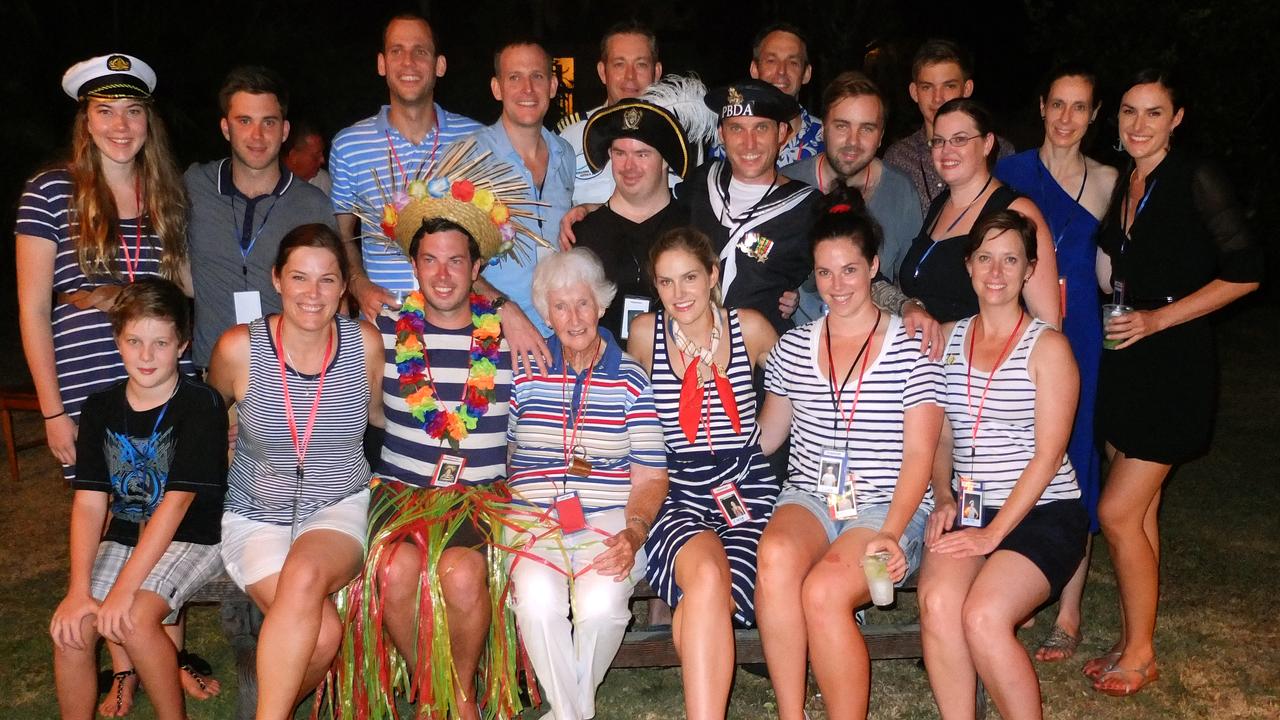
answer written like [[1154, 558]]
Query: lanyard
[[867, 187], [149, 450], [724, 197], [435, 145], [131, 263], [1058, 236], [1124, 212], [571, 441], [964, 212], [838, 392], [968, 382], [300, 447]]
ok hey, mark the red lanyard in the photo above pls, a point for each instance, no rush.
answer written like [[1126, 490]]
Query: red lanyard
[[571, 441], [968, 374], [131, 263], [435, 145], [300, 448], [837, 392]]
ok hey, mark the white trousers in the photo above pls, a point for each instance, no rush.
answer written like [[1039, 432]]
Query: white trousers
[[572, 628]]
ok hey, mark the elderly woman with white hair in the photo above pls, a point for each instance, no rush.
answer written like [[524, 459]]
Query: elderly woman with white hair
[[588, 474]]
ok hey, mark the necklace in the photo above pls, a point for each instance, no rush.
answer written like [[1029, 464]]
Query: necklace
[[417, 386], [964, 212]]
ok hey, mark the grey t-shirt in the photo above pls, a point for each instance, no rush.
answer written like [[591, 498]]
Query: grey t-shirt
[[227, 256], [893, 206]]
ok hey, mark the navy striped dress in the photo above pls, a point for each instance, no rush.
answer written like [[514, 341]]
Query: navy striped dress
[[262, 482], [1007, 436], [695, 469], [84, 349]]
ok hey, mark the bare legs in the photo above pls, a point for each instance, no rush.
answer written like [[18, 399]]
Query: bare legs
[[301, 631], [1070, 607], [466, 599], [702, 626], [1128, 511], [969, 613], [792, 544], [833, 589], [156, 662]]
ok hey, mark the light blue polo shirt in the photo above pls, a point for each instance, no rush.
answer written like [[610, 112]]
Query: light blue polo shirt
[[510, 277], [364, 150]]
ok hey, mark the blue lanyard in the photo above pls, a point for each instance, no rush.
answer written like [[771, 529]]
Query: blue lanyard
[[253, 239], [148, 451], [1058, 236], [1124, 213], [920, 263]]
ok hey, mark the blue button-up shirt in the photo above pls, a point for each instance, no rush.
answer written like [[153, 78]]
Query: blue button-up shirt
[[513, 276]]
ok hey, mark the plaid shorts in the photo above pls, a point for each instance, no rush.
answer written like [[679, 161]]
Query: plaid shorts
[[178, 574]]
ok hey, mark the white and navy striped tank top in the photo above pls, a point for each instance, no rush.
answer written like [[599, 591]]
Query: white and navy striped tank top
[[666, 394], [899, 378], [1007, 436], [262, 482]]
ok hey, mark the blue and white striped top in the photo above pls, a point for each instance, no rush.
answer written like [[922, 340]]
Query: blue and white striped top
[[84, 349], [409, 454], [1007, 437], [362, 151], [898, 379], [262, 482], [667, 389], [619, 427]]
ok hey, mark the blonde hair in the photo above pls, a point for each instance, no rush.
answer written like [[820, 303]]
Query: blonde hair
[[94, 220]]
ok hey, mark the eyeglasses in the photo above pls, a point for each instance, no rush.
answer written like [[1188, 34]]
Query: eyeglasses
[[957, 141]]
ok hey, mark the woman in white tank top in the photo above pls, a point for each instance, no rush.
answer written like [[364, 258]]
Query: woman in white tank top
[[1008, 530]]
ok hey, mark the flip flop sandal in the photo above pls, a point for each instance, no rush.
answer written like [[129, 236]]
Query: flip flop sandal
[[201, 665], [1101, 664], [1147, 674], [1061, 641], [119, 680]]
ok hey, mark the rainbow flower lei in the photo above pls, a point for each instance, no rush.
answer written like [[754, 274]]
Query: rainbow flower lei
[[416, 385]]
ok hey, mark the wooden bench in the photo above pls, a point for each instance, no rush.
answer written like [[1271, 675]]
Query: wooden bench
[[22, 398], [642, 646]]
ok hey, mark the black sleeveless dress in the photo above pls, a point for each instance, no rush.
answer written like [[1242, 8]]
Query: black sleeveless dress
[[933, 270]]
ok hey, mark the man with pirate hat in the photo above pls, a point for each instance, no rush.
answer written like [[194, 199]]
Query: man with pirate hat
[[644, 145]]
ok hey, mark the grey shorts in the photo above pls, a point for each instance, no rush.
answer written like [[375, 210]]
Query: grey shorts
[[869, 516], [178, 574]]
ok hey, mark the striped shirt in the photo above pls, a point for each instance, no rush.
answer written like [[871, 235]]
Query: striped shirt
[[667, 389], [263, 481], [896, 380], [617, 427], [85, 354], [1007, 436], [409, 455], [363, 157]]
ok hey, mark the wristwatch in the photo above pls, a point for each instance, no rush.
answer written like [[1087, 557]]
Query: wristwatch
[[499, 301]]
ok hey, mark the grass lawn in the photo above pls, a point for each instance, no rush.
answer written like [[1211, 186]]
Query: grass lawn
[[1217, 640]]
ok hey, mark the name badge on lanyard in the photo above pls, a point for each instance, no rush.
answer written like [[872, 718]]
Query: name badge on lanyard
[[731, 505], [248, 306], [448, 471], [969, 511]]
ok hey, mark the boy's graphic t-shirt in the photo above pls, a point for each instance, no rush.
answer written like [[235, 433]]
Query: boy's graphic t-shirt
[[135, 457]]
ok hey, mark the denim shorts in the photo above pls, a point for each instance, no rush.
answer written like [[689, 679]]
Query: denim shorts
[[869, 516]]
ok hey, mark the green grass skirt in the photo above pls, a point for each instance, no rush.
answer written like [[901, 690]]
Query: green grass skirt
[[368, 671]]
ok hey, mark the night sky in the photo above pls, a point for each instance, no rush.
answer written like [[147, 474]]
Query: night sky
[[326, 51]]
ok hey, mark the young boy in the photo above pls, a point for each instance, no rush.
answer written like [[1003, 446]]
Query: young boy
[[151, 453]]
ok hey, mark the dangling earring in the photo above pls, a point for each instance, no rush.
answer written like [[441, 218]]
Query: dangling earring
[[1119, 146]]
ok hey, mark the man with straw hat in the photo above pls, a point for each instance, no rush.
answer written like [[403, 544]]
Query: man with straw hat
[[439, 487]]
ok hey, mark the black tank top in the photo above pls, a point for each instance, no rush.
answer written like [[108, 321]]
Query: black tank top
[[933, 271]]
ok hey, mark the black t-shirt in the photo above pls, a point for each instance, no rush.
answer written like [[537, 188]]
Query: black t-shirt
[[135, 457], [623, 248]]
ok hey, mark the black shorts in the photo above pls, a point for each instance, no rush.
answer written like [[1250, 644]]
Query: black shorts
[[1053, 537]]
